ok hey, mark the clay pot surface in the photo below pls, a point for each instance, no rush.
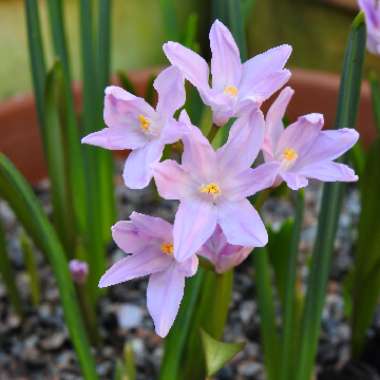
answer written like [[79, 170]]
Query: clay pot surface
[[314, 92]]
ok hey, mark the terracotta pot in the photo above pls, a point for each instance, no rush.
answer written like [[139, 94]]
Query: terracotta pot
[[315, 92]]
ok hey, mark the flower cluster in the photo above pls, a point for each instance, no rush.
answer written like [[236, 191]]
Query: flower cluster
[[214, 219]]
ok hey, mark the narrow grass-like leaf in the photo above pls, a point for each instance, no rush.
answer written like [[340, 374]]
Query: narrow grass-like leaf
[[31, 268], [375, 94], [211, 315], [170, 20], [36, 56], [331, 205], [269, 337], [175, 342], [125, 82], [8, 276], [217, 353], [15, 190], [129, 362], [366, 284], [289, 303], [150, 92], [55, 157], [190, 36], [74, 162]]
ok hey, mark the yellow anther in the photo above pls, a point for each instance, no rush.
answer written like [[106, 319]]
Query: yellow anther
[[231, 90], [167, 248], [212, 188], [144, 123], [289, 155]]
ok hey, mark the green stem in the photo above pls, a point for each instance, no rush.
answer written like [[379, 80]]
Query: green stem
[[212, 133], [289, 299]]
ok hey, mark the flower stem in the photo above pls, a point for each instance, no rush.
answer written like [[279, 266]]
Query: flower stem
[[212, 133]]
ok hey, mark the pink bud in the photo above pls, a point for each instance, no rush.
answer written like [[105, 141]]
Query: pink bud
[[79, 271]]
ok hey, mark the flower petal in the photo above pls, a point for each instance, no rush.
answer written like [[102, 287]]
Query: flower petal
[[329, 172], [226, 67], [195, 221], [294, 180], [273, 123], [150, 260], [121, 108], [243, 144], [242, 224], [127, 237], [164, 296], [152, 226], [193, 66], [117, 138], [330, 145], [170, 87], [172, 181], [258, 68], [138, 166], [300, 135], [251, 181]]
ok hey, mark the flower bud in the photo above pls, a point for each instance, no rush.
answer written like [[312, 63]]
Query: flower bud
[[79, 271]]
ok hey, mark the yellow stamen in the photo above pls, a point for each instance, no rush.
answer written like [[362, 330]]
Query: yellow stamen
[[231, 90], [289, 155], [212, 188], [167, 248], [144, 123]]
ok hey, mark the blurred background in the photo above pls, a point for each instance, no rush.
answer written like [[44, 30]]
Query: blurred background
[[317, 29]]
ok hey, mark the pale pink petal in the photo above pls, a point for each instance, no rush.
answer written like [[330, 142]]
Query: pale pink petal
[[172, 181], [273, 123], [152, 226], [170, 87], [226, 66], [371, 12], [172, 131], [229, 260], [242, 224], [261, 91], [164, 296], [138, 167], [194, 223], [263, 65], [294, 180], [193, 66], [330, 145], [189, 267], [121, 108], [329, 172], [300, 135], [117, 138], [250, 181], [243, 144], [198, 156], [150, 260], [127, 237]]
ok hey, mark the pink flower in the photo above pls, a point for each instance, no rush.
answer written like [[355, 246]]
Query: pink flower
[[371, 9], [79, 271], [212, 187], [134, 124], [150, 241], [223, 255], [303, 150], [235, 86]]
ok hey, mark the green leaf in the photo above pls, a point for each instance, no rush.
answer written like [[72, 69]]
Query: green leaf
[[36, 56], [31, 268], [217, 353], [366, 284], [290, 320], [170, 20], [125, 82], [211, 315], [63, 213], [8, 276], [270, 338], [331, 205], [190, 37], [129, 363], [16, 191], [375, 93], [150, 92]]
